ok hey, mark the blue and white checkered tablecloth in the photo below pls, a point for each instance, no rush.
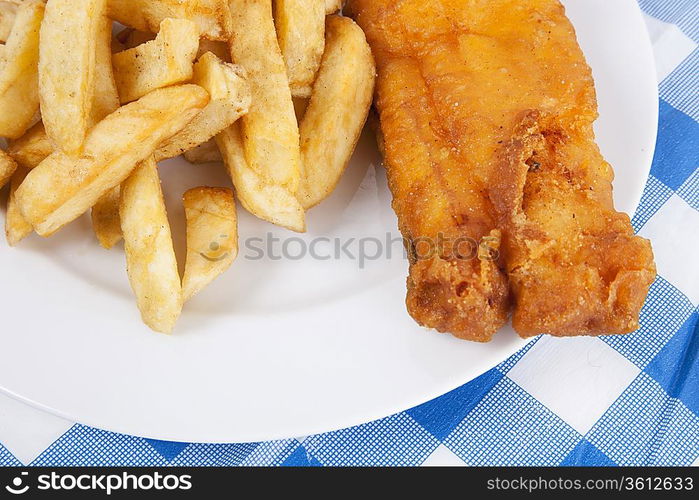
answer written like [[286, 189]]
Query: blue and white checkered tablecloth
[[631, 400]]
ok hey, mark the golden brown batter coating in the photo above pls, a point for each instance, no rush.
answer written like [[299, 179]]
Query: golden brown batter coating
[[438, 183], [574, 264], [486, 108]]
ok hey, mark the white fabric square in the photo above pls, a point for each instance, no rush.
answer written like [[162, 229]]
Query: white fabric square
[[674, 232], [443, 457], [670, 45], [25, 431], [576, 378]]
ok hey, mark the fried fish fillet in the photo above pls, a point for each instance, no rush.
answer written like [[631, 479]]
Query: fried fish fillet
[[574, 264], [487, 109], [437, 158]]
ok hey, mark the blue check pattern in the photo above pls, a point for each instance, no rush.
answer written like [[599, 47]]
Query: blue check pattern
[[498, 418]]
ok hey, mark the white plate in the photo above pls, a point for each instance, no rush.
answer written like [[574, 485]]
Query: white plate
[[278, 348]]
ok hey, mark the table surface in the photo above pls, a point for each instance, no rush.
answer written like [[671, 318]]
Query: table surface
[[628, 400]]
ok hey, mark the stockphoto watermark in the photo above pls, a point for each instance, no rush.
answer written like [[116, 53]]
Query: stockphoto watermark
[[97, 482], [366, 249]]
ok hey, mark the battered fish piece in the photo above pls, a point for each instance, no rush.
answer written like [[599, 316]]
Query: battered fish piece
[[437, 158], [574, 264], [487, 108]]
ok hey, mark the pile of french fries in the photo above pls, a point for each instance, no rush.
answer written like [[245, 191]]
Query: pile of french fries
[[93, 93]]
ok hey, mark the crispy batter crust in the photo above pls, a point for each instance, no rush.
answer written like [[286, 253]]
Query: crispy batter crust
[[487, 108], [575, 266], [439, 186]]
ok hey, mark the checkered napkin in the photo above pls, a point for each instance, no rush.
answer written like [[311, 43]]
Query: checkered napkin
[[631, 400]]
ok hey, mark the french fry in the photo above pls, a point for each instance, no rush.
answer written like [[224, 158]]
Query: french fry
[[32, 148], [230, 99], [165, 61], [67, 69], [150, 258], [212, 17], [266, 200], [105, 213], [332, 6], [61, 188], [19, 88], [105, 98], [301, 34], [338, 110], [8, 11], [206, 152], [270, 130], [16, 226], [212, 237], [7, 167]]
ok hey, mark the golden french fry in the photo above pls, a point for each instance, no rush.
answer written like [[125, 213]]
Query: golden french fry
[[270, 131], [16, 226], [61, 188], [332, 6], [230, 98], [19, 88], [105, 213], [212, 237], [67, 69], [206, 152], [7, 167], [301, 34], [165, 61], [32, 148], [105, 98], [339, 107], [7, 19], [212, 17], [259, 196], [150, 257]]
